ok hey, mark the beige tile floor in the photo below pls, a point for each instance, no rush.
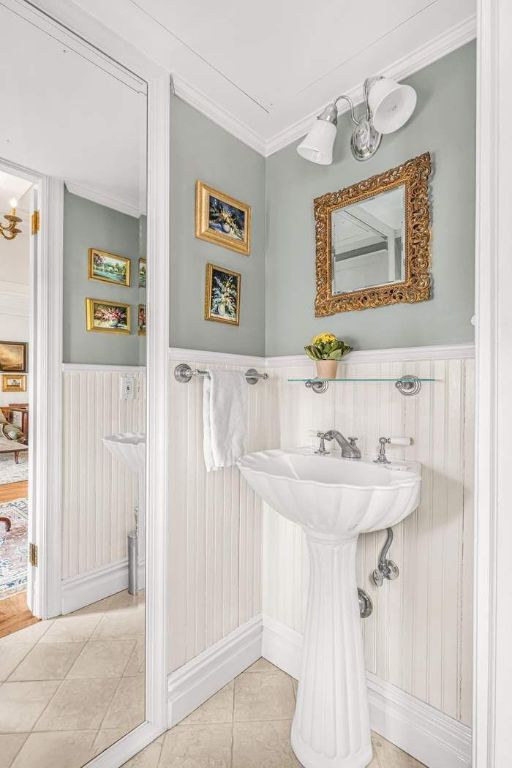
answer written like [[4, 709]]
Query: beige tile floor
[[245, 725], [72, 686]]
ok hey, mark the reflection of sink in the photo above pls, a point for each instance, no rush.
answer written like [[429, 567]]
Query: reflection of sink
[[129, 447], [334, 500]]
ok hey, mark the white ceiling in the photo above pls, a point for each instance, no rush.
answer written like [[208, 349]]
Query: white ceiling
[[67, 117], [263, 69]]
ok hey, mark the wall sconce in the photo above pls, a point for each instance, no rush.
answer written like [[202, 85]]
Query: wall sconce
[[388, 106], [10, 230]]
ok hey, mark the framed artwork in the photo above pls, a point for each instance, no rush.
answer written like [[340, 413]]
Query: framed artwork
[[142, 273], [141, 315], [109, 268], [13, 356], [222, 296], [13, 383], [222, 220], [107, 316]]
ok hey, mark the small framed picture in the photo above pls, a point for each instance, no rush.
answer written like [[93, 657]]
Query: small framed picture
[[142, 273], [11, 383], [222, 296], [222, 220], [13, 356], [107, 316], [109, 268], [141, 324]]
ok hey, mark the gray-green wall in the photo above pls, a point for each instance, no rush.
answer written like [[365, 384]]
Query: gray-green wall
[[444, 124], [89, 225], [202, 150]]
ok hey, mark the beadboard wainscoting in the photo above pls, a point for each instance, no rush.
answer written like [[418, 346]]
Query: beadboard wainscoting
[[216, 519], [99, 493], [419, 637]]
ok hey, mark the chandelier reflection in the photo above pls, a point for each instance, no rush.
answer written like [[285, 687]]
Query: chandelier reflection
[[10, 230]]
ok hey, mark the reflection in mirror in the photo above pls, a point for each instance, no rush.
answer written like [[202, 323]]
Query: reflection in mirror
[[72, 684], [367, 242]]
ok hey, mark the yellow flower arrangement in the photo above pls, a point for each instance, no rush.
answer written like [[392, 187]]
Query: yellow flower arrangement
[[326, 346]]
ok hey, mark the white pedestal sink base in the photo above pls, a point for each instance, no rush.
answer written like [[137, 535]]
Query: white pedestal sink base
[[331, 727]]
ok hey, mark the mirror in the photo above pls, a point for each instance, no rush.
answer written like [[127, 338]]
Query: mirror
[[367, 242], [72, 677], [373, 241]]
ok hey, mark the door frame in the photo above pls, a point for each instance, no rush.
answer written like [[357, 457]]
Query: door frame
[[73, 27], [492, 682], [45, 392]]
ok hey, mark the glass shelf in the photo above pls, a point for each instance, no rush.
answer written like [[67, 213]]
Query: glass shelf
[[406, 384], [395, 379]]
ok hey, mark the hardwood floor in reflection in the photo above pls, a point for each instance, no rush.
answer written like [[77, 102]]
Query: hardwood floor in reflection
[[15, 614], [12, 491]]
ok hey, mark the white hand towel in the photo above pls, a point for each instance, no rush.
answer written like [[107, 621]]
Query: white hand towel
[[225, 416]]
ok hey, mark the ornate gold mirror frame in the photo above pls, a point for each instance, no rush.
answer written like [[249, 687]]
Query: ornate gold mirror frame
[[414, 175]]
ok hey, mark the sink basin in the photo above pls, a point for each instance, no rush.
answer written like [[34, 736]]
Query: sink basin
[[129, 447], [334, 500]]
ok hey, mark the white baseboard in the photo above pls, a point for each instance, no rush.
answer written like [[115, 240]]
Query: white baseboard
[[79, 591], [197, 680], [427, 734]]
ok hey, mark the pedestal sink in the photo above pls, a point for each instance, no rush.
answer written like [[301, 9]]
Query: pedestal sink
[[334, 500], [130, 448]]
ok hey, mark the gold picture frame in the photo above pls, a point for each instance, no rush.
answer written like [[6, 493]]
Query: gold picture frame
[[12, 382], [222, 295], [13, 356], [416, 286], [223, 220], [102, 266], [101, 316]]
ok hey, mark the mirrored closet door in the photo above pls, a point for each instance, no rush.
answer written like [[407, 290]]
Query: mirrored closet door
[[73, 161]]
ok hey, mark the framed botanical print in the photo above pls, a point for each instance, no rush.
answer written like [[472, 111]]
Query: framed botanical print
[[141, 316], [14, 383], [13, 356], [109, 268], [107, 316], [222, 220], [142, 272], [222, 296]]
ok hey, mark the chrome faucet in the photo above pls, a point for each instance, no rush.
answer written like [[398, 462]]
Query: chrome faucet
[[349, 449]]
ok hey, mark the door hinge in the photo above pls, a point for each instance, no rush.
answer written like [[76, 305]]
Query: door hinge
[[33, 555], [35, 222]]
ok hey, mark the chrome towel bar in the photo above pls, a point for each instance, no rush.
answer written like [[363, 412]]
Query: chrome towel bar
[[184, 373]]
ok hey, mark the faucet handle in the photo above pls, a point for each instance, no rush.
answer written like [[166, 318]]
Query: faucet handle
[[353, 441], [321, 450]]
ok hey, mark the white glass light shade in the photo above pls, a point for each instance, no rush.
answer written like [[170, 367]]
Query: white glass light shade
[[13, 202], [391, 104], [318, 144]]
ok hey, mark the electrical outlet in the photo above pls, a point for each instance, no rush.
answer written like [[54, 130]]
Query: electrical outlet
[[128, 387]]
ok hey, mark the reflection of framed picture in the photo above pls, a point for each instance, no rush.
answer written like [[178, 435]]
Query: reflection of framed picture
[[141, 320], [107, 316], [222, 296], [13, 356], [108, 267], [221, 219], [11, 383], [142, 273]]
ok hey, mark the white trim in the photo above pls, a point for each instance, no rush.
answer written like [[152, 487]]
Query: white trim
[[103, 198], [68, 367], [424, 732], [218, 115], [176, 354], [421, 57], [395, 355], [88, 588], [197, 680]]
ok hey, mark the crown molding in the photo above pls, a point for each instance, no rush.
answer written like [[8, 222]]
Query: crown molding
[[102, 198], [222, 117], [426, 54], [420, 57]]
